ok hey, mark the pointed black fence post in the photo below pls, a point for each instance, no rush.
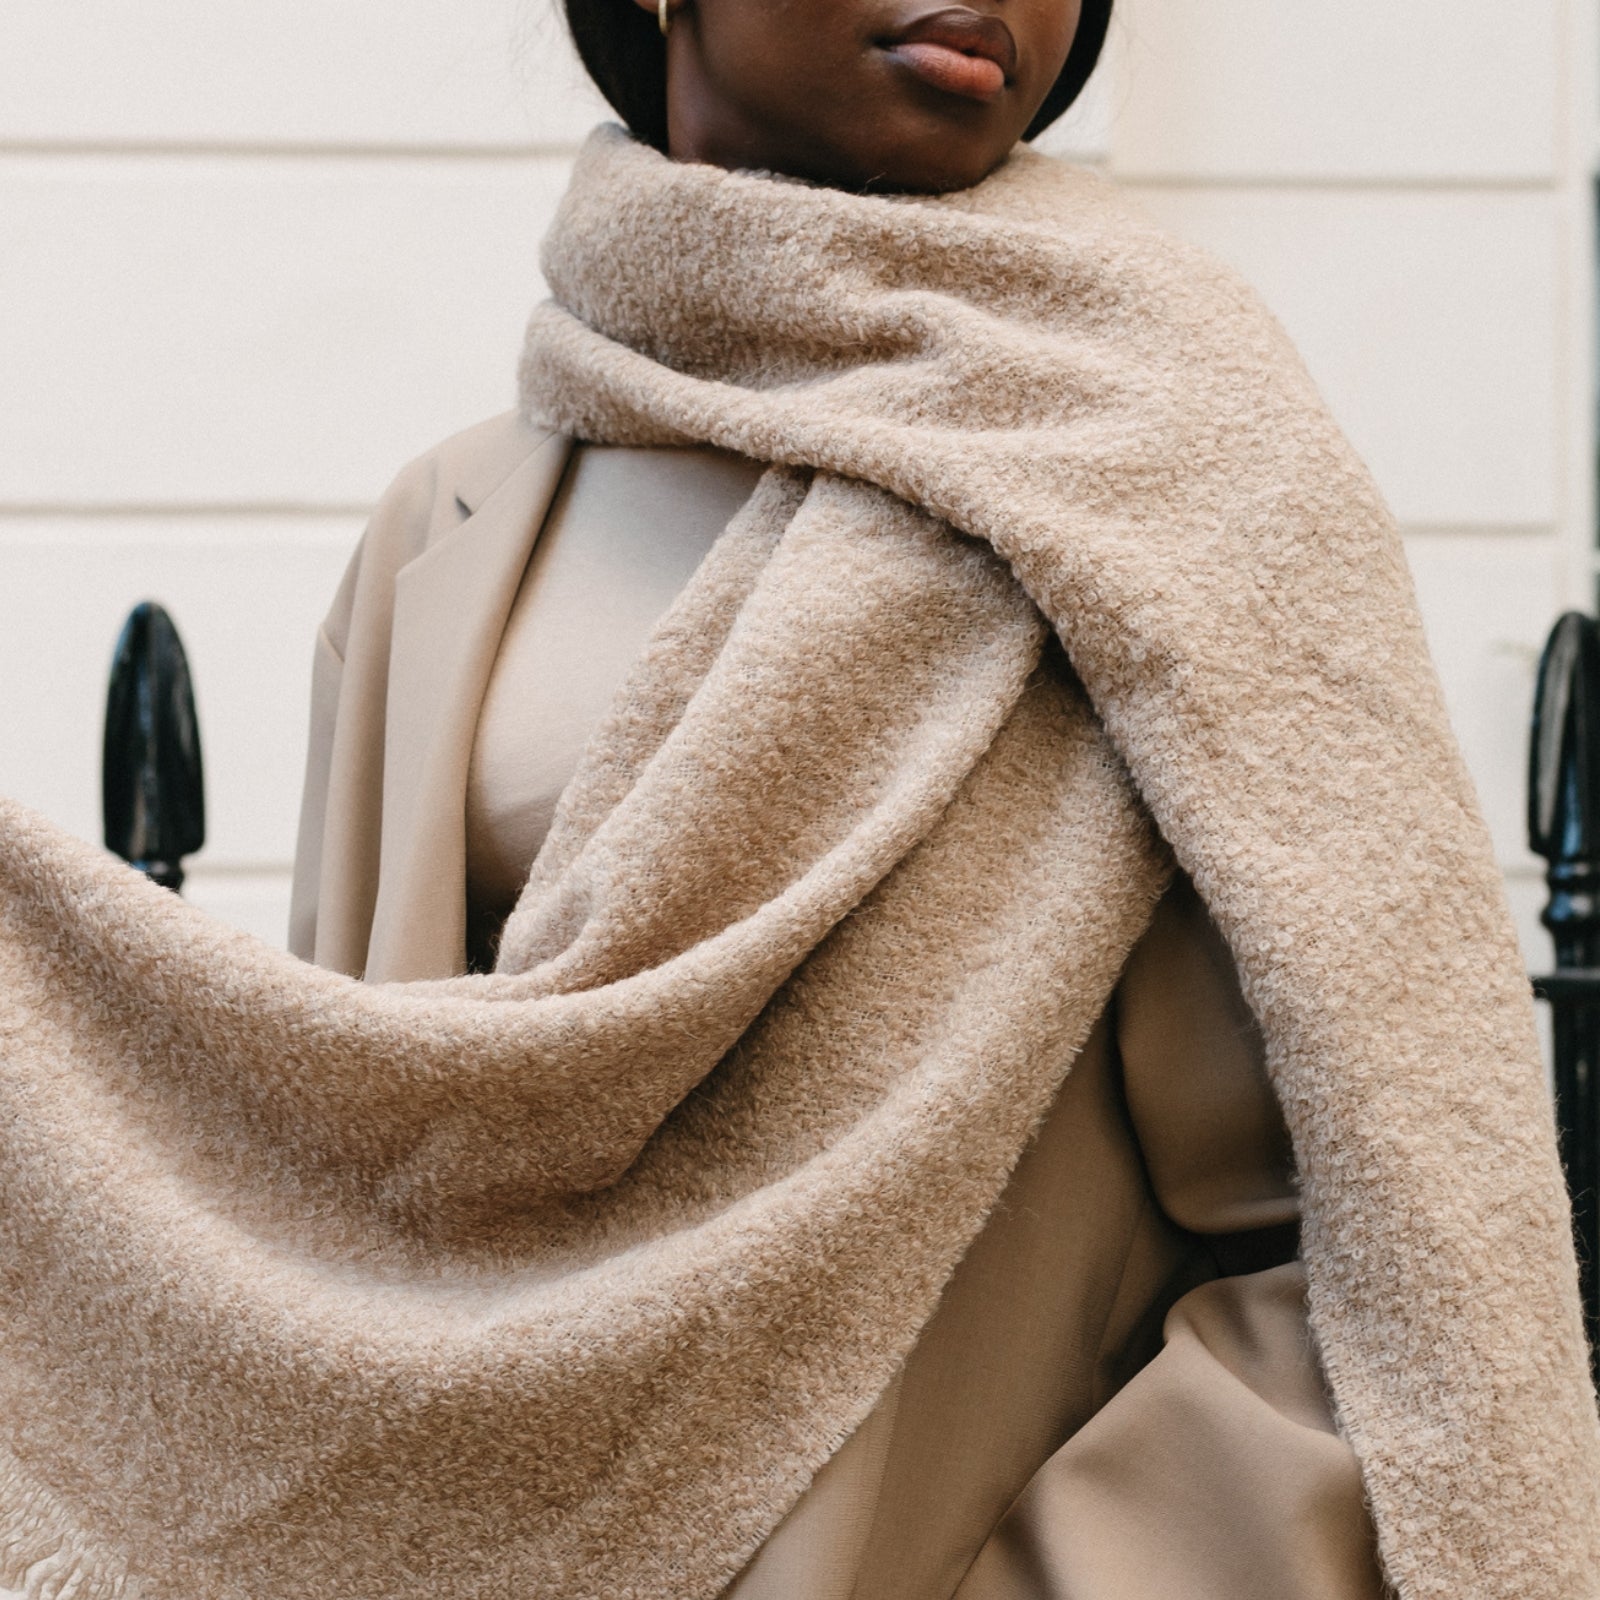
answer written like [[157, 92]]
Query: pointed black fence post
[[152, 786], [1564, 828]]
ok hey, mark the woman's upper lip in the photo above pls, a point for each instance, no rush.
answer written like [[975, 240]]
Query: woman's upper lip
[[963, 29]]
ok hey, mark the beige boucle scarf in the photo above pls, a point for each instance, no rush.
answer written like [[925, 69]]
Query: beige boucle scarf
[[562, 1281]]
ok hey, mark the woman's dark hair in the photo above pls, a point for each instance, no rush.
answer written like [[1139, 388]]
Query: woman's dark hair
[[1093, 23], [622, 47]]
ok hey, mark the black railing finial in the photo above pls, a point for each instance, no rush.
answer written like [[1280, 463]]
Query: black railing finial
[[1564, 786], [152, 786]]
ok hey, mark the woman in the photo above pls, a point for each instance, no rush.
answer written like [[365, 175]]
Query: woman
[[1219, 1471], [980, 1471], [795, 1207]]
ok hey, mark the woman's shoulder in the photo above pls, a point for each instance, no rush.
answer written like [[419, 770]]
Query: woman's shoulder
[[455, 477], [435, 494]]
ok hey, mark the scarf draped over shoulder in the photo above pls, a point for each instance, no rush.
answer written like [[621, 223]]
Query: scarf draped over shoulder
[[563, 1280]]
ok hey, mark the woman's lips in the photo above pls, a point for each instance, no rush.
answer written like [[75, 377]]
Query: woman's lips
[[958, 50]]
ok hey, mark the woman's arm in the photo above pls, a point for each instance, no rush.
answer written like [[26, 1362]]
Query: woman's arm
[[327, 670]]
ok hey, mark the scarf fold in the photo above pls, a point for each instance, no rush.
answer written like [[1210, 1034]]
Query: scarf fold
[[562, 1281]]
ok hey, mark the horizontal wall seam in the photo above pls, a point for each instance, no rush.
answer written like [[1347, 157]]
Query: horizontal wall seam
[[1355, 183], [177, 510], [286, 149], [1479, 530], [198, 869]]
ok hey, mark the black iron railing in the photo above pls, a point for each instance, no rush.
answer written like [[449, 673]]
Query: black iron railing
[[152, 784], [1564, 828]]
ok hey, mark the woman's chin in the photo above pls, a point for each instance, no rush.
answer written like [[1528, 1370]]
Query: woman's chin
[[925, 164], [938, 172]]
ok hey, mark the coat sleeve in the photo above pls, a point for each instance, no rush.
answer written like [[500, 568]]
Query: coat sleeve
[[327, 672]]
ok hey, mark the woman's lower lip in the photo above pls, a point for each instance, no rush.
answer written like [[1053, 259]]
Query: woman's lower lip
[[975, 77]]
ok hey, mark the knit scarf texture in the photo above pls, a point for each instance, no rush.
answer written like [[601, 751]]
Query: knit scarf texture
[[562, 1281]]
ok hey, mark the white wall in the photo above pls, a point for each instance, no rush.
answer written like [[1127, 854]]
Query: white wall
[[1409, 185], [253, 258]]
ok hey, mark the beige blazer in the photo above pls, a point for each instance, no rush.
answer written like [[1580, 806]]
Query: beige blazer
[[402, 663]]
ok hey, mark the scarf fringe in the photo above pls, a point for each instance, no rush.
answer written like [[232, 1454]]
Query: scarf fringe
[[44, 1557]]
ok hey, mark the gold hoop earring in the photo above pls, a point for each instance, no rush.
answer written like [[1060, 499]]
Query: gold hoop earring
[[664, 16]]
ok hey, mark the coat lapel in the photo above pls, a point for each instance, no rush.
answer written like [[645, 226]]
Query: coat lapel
[[450, 610]]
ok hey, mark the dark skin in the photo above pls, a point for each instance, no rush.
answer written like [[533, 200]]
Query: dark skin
[[920, 95]]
